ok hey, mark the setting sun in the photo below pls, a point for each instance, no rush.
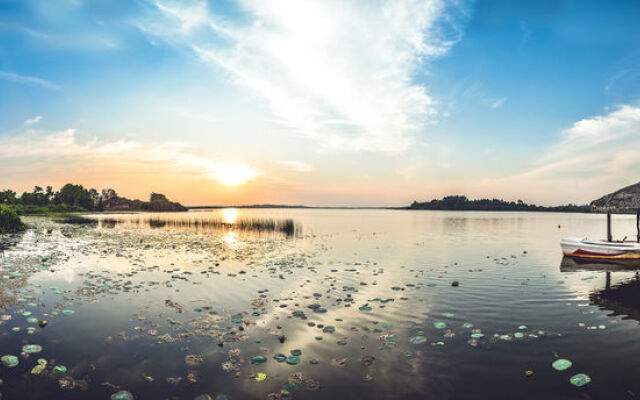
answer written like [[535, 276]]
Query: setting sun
[[233, 174]]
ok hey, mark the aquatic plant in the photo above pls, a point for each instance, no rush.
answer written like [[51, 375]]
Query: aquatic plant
[[10, 221], [76, 220], [286, 226]]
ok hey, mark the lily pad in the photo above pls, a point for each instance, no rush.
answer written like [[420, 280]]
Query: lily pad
[[561, 364], [417, 339], [37, 370], [31, 348], [257, 360], [59, 369], [122, 395], [9, 361], [293, 360], [580, 380]]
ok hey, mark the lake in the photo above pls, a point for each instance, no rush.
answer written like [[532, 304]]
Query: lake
[[315, 304]]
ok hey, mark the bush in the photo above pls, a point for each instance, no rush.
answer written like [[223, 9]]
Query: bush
[[9, 220]]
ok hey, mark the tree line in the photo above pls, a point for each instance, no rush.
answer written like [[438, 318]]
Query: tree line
[[72, 197], [462, 203]]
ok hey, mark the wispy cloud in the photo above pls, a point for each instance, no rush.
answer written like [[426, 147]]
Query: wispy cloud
[[297, 166], [64, 148], [498, 103], [33, 120], [594, 156], [28, 80], [338, 72]]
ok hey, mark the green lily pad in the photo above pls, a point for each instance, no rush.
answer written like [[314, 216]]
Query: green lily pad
[[561, 364], [418, 339], [293, 360], [440, 325], [31, 348], [122, 395], [580, 380], [59, 369], [9, 361], [257, 360]]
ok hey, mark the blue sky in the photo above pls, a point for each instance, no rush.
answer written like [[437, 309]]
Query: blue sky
[[322, 103]]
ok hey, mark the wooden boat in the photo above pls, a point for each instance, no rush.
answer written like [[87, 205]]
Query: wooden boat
[[583, 248]]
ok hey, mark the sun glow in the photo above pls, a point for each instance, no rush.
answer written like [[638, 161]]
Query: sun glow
[[233, 174], [229, 215]]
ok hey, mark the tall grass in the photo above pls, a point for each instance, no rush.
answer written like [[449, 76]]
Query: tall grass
[[286, 226]]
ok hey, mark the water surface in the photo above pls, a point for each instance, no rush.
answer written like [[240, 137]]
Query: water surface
[[176, 310]]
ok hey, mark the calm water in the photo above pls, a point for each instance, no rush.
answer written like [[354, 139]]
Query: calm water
[[180, 310]]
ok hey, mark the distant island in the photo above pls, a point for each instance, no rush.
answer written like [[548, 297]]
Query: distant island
[[76, 198], [462, 203]]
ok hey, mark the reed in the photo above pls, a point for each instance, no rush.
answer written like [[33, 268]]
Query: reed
[[286, 226]]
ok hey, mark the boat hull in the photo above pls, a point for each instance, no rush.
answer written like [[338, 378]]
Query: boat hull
[[581, 248]]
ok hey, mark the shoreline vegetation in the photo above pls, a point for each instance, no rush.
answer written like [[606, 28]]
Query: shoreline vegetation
[[75, 198], [72, 198], [448, 203], [462, 203], [286, 226], [10, 221]]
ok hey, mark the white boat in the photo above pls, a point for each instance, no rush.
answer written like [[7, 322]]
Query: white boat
[[583, 248]]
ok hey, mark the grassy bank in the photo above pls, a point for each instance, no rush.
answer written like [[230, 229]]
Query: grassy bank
[[10, 221]]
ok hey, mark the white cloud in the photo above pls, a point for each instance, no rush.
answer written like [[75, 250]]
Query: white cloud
[[64, 147], [498, 103], [297, 166], [28, 80], [33, 120], [593, 157], [338, 72]]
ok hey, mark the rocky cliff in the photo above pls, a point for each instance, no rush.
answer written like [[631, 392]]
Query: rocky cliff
[[626, 199]]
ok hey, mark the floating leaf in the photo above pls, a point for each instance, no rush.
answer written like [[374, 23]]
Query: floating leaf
[[561, 364], [580, 380]]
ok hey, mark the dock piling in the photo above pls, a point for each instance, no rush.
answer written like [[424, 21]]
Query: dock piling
[[638, 225], [609, 226]]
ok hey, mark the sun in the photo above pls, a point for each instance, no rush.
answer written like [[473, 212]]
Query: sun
[[233, 174]]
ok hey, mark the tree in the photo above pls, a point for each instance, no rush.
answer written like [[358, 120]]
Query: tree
[[75, 196], [8, 197]]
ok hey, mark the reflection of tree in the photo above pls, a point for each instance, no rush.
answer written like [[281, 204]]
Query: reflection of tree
[[622, 299]]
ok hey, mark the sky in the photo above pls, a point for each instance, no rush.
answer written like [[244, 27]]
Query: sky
[[322, 103]]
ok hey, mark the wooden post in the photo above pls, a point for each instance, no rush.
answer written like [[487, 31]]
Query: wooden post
[[609, 226], [638, 225]]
